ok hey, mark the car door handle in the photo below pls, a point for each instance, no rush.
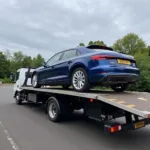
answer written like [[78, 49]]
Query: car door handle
[[69, 62]]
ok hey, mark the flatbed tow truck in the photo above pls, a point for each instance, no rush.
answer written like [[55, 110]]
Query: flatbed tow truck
[[102, 106]]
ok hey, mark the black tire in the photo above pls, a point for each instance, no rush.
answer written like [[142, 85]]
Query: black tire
[[57, 116], [120, 87], [86, 85], [65, 86], [35, 85], [18, 98]]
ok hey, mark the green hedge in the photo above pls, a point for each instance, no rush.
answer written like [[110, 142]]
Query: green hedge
[[5, 80]]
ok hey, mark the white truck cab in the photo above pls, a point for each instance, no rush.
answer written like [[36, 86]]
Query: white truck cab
[[20, 77]]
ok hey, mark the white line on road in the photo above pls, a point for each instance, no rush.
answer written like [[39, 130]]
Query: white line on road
[[9, 138]]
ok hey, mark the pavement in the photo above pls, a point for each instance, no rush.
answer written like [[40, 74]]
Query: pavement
[[26, 127]]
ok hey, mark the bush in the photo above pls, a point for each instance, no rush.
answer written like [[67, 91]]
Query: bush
[[5, 80]]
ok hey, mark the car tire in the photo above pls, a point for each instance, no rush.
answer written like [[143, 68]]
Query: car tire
[[35, 83], [80, 74], [119, 88]]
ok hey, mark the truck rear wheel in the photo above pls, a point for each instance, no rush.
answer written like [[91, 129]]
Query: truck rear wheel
[[54, 109], [58, 110]]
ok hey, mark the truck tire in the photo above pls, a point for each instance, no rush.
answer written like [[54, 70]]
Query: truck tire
[[18, 98], [54, 109], [80, 82]]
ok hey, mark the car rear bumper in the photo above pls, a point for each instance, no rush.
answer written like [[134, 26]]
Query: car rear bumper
[[115, 78]]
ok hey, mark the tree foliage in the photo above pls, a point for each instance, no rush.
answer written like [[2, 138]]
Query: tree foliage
[[11, 63], [130, 44], [37, 61], [81, 44], [4, 66]]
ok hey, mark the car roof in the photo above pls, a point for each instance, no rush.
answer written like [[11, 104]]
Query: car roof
[[87, 49]]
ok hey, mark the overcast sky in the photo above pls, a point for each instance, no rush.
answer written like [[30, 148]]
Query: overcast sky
[[48, 26]]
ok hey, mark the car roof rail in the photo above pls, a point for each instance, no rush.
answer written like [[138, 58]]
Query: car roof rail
[[94, 46]]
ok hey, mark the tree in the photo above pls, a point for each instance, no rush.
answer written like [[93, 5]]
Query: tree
[[99, 43], [81, 44], [7, 53], [27, 61], [4, 66], [37, 61], [130, 44], [90, 43], [143, 61], [17, 61]]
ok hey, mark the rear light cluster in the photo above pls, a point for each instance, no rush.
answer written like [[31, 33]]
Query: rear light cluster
[[101, 57], [112, 129]]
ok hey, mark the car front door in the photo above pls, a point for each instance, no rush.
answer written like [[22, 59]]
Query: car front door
[[48, 72], [65, 62]]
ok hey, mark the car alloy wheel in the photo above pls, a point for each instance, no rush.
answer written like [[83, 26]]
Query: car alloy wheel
[[80, 80], [35, 83], [34, 80]]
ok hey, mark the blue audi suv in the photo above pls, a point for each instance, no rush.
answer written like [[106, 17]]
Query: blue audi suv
[[86, 66]]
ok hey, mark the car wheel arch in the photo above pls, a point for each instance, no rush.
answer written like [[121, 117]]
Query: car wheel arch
[[33, 75], [79, 65]]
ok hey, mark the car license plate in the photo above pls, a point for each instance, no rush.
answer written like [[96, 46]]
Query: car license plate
[[125, 62], [139, 125]]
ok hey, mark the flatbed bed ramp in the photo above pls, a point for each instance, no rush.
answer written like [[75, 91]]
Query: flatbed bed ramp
[[137, 103]]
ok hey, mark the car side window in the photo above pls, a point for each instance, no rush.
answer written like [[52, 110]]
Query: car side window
[[69, 54], [54, 59]]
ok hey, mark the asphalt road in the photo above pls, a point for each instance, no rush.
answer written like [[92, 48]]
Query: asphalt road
[[27, 127]]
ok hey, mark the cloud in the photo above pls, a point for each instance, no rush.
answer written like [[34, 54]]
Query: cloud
[[49, 26]]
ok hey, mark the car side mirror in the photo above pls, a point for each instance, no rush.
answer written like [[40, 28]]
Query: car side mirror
[[44, 64]]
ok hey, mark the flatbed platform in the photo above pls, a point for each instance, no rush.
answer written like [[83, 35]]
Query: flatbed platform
[[137, 103]]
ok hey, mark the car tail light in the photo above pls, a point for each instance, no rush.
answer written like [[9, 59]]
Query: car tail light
[[101, 57]]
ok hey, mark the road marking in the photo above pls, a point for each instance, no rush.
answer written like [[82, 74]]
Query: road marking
[[9, 138], [121, 102], [131, 106], [112, 99], [142, 99]]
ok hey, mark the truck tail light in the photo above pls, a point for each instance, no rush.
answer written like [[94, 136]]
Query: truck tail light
[[112, 129], [115, 128]]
